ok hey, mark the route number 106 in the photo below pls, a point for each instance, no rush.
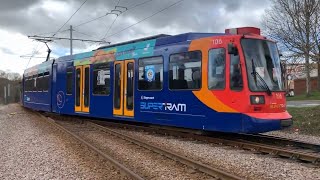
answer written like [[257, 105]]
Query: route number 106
[[217, 41]]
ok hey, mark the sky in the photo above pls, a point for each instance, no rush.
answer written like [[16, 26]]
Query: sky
[[22, 18]]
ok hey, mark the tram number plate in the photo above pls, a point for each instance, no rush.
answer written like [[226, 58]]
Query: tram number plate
[[216, 41]]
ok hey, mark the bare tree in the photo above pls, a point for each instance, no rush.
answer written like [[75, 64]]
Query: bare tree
[[292, 23], [316, 48]]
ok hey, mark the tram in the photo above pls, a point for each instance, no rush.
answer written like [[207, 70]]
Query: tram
[[227, 82]]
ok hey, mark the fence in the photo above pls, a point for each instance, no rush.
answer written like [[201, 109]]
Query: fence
[[9, 91], [300, 85]]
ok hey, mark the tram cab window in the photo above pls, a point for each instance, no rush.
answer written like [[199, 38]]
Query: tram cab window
[[216, 69], [236, 82], [101, 79], [185, 70], [69, 84], [150, 73]]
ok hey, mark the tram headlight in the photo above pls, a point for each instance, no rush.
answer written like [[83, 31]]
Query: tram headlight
[[257, 99]]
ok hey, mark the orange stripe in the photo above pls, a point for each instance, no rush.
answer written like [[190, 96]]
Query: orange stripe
[[204, 95]]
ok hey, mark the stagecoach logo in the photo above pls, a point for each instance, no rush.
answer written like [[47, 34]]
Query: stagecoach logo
[[146, 97], [60, 99], [177, 107]]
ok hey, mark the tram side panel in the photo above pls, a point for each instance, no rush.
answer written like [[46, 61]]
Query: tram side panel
[[37, 87], [63, 95], [164, 93], [101, 90]]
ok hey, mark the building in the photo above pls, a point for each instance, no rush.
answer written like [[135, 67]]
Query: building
[[296, 74]]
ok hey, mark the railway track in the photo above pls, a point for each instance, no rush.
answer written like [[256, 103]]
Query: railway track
[[208, 170], [123, 169], [279, 141], [279, 147]]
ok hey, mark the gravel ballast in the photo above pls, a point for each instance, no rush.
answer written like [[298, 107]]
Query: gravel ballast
[[148, 164], [241, 162], [32, 149], [296, 136]]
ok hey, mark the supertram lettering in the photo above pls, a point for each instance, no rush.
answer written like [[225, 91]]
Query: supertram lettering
[[151, 105], [176, 107], [163, 106]]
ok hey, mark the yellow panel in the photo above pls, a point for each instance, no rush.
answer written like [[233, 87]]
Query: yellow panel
[[78, 108], [126, 111]]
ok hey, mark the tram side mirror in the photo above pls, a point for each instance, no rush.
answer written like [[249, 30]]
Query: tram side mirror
[[232, 49]]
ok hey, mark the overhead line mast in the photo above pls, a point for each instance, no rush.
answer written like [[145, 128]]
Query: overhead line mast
[[46, 39], [59, 30], [71, 47]]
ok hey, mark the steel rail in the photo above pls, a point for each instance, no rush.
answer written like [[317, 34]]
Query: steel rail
[[114, 162], [280, 141], [236, 142], [215, 172]]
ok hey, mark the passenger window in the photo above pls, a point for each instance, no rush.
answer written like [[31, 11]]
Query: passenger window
[[34, 83], [78, 81], [101, 79], [185, 70], [117, 86], [69, 80], [40, 82], [236, 82], [26, 84], [130, 85], [216, 69], [150, 73], [46, 81]]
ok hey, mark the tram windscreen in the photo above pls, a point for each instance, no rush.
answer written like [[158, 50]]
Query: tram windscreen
[[263, 65]]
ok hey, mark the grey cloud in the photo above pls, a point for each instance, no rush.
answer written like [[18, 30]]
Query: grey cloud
[[6, 50], [13, 5], [190, 15]]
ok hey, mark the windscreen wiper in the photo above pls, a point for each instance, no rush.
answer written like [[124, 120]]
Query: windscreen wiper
[[255, 74]]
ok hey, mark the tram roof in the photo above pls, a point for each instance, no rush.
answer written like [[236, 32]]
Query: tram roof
[[161, 40]]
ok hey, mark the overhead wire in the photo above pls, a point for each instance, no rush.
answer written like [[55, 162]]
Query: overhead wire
[[70, 17], [52, 32], [83, 33], [36, 51], [105, 36], [112, 22], [97, 18], [146, 18], [33, 53]]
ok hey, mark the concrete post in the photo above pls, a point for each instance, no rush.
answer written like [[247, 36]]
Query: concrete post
[[5, 94]]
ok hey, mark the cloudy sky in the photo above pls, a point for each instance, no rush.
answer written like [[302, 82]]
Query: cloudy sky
[[20, 18]]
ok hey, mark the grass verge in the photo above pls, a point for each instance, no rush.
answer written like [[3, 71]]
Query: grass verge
[[315, 95], [306, 120]]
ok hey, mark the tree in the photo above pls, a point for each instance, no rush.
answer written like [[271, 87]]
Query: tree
[[292, 24], [316, 48]]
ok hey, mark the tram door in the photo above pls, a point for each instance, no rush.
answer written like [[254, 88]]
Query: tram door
[[123, 92], [82, 89]]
